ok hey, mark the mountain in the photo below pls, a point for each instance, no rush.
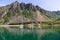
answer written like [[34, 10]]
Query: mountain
[[29, 11]]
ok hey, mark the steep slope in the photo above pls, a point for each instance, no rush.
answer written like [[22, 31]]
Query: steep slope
[[40, 17], [21, 19]]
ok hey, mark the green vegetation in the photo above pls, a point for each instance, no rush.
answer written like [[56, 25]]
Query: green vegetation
[[45, 26], [1, 21], [57, 22], [29, 13]]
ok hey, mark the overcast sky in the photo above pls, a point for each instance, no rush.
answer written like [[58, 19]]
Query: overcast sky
[[52, 5]]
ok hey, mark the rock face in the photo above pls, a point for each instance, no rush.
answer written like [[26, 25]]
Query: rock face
[[17, 20], [15, 5], [39, 17], [22, 5], [30, 7]]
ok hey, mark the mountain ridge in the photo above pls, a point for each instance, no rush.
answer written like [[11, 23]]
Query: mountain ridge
[[26, 10]]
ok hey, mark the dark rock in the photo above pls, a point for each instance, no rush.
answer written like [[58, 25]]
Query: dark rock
[[15, 5], [30, 7], [22, 6]]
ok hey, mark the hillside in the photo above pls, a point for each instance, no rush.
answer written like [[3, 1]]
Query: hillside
[[29, 11]]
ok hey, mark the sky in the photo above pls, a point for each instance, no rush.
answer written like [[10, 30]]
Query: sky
[[51, 5]]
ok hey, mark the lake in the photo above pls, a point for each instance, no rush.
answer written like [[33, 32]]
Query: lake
[[29, 34]]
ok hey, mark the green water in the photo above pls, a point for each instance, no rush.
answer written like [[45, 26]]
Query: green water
[[31, 35], [50, 36]]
